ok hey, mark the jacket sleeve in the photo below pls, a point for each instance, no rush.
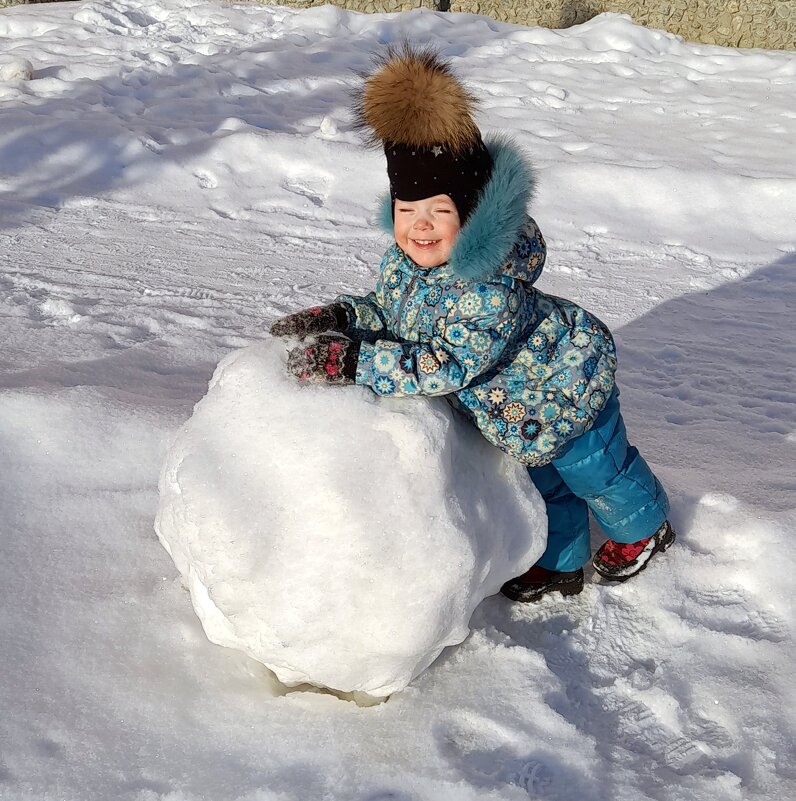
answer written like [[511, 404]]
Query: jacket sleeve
[[467, 341], [366, 316], [532, 250]]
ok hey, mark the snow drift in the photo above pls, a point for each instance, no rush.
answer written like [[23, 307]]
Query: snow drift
[[341, 539]]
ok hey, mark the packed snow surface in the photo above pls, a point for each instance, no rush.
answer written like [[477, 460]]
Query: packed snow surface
[[174, 176], [341, 539]]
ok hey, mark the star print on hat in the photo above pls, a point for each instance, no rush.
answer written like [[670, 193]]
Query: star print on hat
[[414, 107]]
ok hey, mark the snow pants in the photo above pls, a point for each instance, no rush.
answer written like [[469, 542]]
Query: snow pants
[[600, 472]]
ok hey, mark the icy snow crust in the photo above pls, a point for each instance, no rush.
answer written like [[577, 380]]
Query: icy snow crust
[[178, 173], [341, 539]]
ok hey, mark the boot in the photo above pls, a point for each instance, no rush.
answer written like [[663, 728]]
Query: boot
[[539, 581], [619, 561]]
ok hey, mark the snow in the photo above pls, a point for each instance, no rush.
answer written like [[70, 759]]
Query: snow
[[15, 69], [175, 175], [294, 515]]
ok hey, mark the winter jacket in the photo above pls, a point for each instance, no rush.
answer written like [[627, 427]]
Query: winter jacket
[[532, 370]]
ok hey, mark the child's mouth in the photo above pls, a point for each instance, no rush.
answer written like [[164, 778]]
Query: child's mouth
[[425, 244]]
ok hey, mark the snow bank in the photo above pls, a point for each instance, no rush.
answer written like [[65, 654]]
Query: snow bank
[[341, 539]]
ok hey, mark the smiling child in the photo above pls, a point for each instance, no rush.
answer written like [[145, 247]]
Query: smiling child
[[455, 312]]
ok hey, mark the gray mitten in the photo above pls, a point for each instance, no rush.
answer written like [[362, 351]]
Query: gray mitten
[[316, 320], [331, 359]]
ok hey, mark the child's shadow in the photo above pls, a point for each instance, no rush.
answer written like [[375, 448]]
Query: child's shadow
[[708, 386]]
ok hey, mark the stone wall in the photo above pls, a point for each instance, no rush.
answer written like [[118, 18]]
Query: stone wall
[[737, 23]]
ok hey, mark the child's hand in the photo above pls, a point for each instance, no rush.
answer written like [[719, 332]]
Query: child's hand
[[331, 359], [333, 317]]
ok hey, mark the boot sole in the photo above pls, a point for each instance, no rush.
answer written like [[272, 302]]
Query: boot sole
[[662, 545], [574, 587]]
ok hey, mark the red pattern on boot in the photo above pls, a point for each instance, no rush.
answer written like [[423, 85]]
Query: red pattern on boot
[[621, 553], [619, 561]]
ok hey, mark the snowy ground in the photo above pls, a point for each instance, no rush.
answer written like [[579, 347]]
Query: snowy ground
[[173, 175]]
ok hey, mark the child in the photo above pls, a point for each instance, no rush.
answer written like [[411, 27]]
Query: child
[[455, 313]]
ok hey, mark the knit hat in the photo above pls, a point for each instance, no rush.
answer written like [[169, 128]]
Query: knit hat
[[413, 106]]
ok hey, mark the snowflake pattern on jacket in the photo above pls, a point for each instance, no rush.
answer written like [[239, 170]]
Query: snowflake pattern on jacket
[[532, 370]]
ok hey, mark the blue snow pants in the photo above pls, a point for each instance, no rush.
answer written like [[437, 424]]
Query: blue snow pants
[[600, 472]]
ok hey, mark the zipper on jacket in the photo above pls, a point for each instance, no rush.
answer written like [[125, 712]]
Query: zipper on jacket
[[403, 303]]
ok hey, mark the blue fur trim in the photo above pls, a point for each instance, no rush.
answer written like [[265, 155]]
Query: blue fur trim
[[488, 236], [385, 214]]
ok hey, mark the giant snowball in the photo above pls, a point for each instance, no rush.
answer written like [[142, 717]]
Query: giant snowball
[[341, 539]]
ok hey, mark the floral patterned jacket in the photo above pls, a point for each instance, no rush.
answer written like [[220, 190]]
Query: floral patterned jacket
[[531, 369]]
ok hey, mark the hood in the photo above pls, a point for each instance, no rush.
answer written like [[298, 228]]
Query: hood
[[487, 243]]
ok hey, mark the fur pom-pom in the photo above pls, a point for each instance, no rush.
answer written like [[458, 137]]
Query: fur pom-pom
[[413, 98]]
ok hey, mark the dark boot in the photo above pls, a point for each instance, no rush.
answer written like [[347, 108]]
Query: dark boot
[[619, 561], [539, 581]]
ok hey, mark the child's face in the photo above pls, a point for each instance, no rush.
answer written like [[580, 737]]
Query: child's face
[[426, 229]]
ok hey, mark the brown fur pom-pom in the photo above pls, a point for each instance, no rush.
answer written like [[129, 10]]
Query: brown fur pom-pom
[[413, 98]]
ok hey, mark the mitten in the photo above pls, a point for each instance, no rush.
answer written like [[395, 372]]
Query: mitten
[[316, 320], [330, 359]]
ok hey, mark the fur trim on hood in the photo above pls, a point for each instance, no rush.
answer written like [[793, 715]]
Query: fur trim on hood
[[488, 237]]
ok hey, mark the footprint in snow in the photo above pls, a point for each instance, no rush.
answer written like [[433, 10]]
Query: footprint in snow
[[617, 642], [714, 736], [640, 731], [534, 777], [731, 611], [491, 753]]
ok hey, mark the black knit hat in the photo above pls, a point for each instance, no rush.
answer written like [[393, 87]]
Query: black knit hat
[[414, 107], [418, 172]]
